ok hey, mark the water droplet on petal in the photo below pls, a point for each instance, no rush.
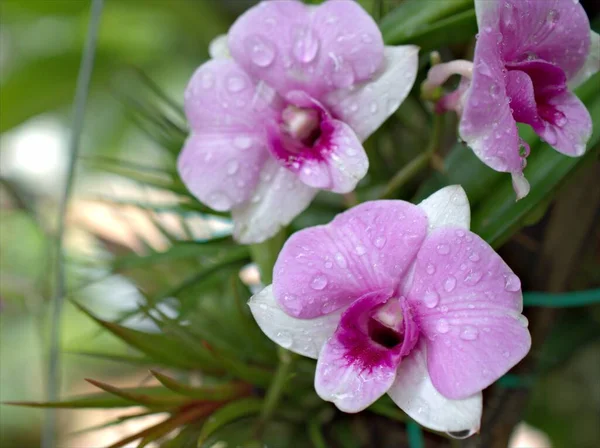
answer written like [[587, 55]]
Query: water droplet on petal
[[512, 283], [430, 269], [284, 339], [232, 167], [340, 260], [360, 250], [431, 299], [466, 433], [473, 278], [262, 51], [219, 201], [366, 38], [379, 242], [443, 249], [523, 321], [319, 282], [242, 142], [442, 326], [306, 46], [552, 17], [235, 84], [474, 257], [373, 107], [450, 284], [460, 233], [469, 333], [207, 80]]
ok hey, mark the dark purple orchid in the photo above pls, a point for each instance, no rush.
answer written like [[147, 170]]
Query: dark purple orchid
[[529, 54], [401, 299]]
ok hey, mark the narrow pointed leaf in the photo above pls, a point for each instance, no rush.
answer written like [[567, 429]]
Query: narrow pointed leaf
[[229, 413], [219, 392]]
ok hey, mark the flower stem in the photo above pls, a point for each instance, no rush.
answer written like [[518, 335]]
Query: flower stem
[[415, 435], [79, 105], [276, 388], [420, 162]]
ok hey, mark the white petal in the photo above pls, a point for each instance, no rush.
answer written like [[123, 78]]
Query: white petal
[[218, 48], [367, 106], [448, 207], [520, 185], [279, 197], [592, 64], [414, 393], [483, 7], [303, 336]]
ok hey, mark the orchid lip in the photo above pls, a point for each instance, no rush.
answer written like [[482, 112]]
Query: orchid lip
[[302, 124]]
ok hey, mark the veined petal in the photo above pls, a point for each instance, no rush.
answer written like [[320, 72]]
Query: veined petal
[[592, 63], [447, 207], [217, 171], [278, 198], [468, 303], [367, 248], [292, 46], [487, 124], [352, 370], [303, 336], [366, 106], [415, 394]]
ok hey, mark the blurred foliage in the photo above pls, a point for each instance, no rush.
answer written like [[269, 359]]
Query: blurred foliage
[[181, 307]]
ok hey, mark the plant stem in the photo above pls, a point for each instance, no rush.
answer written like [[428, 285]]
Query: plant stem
[[420, 162], [79, 105], [563, 300], [415, 435], [277, 385]]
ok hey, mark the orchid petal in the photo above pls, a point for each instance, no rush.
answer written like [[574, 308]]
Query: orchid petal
[[278, 198], [592, 63], [352, 370], [292, 46], [415, 394], [468, 302], [324, 268], [303, 336], [447, 207], [365, 107], [218, 48]]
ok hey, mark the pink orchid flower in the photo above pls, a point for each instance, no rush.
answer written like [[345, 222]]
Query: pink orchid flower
[[398, 298], [528, 54], [280, 111]]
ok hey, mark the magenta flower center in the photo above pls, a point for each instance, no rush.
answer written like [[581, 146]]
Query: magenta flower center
[[302, 124], [386, 324]]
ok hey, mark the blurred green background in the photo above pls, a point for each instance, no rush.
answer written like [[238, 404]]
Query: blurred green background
[[164, 41]]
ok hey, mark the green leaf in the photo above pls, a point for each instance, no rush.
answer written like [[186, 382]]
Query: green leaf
[[265, 254], [152, 401], [412, 17], [217, 392], [116, 358], [100, 400], [162, 348], [229, 413]]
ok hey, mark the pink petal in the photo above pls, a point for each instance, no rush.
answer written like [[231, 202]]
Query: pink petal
[[367, 106], [369, 247], [487, 124], [352, 370], [217, 172], [316, 49], [415, 394], [221, 97], [468, 303], [303, 336], [557, 31], [277, 199]]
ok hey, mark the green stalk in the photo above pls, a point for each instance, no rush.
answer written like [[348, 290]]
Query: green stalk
[[79, 105], [415, 435], [419, 163], [277, 386], [564, 300]]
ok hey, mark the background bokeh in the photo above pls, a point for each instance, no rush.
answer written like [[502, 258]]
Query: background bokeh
[[146, 49]]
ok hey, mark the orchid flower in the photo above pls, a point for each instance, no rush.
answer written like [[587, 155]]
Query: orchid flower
[[280, 111], [528, 54], [399, 299]]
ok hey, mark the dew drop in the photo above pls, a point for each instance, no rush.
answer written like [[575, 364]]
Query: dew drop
[[232, 167], [469, 333], [373, 107], [235, 84], [552, 17], [318, 282], [328, 264], [284, 339], [306, 46], [379, 242], [242, 142], [512, 283], [442, 326], [506, 354], [474, 257], [473, 278], [523, 321], [494, 90], [464, 434], [366, 38], [262, 51], [430, 269], [431, 299], [360, 250], [340, 260], [450, 284], [443, 249], [460, 233], [219, 201], [207, 80]]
